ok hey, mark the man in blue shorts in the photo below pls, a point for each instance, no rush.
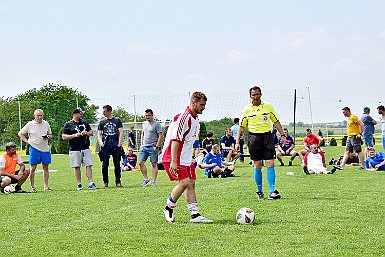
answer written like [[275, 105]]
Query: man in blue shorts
[[152, 137], [368, 132], [39, 132]]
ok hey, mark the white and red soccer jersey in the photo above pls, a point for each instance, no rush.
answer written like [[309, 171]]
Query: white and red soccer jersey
[[314, 159], [184, 129]]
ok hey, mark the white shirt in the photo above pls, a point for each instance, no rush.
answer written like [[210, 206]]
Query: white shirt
[[183, 129], [3, 161], [382, 120], [35, 133]]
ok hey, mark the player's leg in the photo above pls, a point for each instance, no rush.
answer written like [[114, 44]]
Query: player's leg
[[255, 149], [87, 161], [192, 204], [348, 150], [279, 158], [143, 155], [293, 154], [357, 148], [45, 161], [105, 154], [241, 144], [154, 164], [269, 156], [116, 154], [32, 177], [75, 163], [34, 160]]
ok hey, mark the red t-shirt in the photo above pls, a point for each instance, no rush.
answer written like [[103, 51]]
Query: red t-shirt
[[312, 140]]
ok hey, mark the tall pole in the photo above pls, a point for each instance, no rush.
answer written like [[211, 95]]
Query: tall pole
[[21, 141], [311, 112], [134, 109], [295, 106], [77, 102]]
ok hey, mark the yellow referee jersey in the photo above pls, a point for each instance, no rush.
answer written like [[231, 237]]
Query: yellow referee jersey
[[257, 118]]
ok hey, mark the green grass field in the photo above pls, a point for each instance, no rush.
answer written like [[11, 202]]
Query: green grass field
[[318, 215]]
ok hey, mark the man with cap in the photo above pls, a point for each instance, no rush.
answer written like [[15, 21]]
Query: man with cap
[[78, 131], [368, 132], [8, 172], [39, 132]]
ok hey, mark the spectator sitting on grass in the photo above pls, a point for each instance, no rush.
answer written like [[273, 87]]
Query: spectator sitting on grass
[[375, 161], [215, 165], [129, 160], [314, 162]]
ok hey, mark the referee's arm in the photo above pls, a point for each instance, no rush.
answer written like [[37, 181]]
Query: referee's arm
[[239, 133]]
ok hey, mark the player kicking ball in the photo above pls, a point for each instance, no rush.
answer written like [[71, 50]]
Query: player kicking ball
[[177, 158]]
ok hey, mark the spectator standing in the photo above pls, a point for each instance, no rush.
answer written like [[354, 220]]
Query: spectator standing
[[368, 132], [381, 111], [234, 131], [177, 158], [258, 116], [152, 137], [110, 138], [353, 143], [39, 132], [131, 138], [78, 132]]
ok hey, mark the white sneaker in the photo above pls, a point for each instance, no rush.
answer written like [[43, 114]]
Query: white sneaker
[[201, 219], [169, 214], [146, 182]]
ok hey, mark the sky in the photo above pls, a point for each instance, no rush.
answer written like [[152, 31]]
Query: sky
[[112, 50]]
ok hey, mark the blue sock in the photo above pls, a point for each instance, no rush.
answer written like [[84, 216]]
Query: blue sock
[[258, 178], [271, 178], [171, 200]]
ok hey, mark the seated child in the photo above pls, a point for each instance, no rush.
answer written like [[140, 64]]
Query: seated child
[[314, 162], [129, 160], [215, 165], [375, 161]]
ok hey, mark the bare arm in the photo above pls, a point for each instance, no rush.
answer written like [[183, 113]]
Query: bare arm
[[100, 141], [278, 126], [120, 137], [174, 156], [22, 137]]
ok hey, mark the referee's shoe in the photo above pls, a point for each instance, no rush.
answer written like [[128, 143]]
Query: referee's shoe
[[274, 195]]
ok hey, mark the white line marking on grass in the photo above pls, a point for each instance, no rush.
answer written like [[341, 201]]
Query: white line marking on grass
[[86, 218]]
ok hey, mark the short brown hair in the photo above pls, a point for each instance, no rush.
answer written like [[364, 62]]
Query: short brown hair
[[197, 96]]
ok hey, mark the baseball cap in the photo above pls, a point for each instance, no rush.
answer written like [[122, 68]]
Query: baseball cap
[[78, 110]]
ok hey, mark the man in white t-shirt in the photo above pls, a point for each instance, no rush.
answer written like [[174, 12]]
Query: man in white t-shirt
[[314, 162], [381, 111], [177, 158], [39, 132]]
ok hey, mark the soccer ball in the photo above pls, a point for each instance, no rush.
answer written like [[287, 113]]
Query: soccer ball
[[245, 216], [9, 189]]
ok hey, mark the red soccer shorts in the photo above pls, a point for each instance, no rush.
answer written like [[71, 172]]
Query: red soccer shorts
[[182, 172]]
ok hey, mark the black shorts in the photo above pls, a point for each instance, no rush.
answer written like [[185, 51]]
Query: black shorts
[[261, 146]]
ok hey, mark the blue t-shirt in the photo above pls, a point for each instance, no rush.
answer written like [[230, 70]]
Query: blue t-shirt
[[131, 159], [372, 162], [286, 145], [368, 125], [228, 141], [211, 158]]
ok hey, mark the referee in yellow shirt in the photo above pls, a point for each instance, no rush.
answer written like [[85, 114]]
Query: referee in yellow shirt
[[257, 117]]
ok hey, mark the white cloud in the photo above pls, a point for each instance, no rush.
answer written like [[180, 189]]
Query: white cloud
[[350, 65], [296, 41], [381, 34], [152, 50], [193, 76], [235, 56]]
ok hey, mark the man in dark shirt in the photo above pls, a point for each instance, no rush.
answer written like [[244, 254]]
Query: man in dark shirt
[[228, 146], [110, 138], [78, 131], [207, 143]]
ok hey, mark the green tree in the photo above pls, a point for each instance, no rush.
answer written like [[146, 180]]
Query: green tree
[[57, 102], [62, 146], [127, 117]]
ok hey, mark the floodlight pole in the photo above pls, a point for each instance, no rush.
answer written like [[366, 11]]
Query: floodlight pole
[[311, 112], [21, 141]]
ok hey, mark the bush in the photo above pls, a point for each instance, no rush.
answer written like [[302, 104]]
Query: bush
[[333, 142], [62, 145], [344, 140]]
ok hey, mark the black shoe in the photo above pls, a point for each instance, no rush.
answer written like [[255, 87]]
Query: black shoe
[[210, 174], [261, 196], [290, 163], [331, 161], [274, 195], [282, 164], [305, 170], [332, 171], [338, 167]]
